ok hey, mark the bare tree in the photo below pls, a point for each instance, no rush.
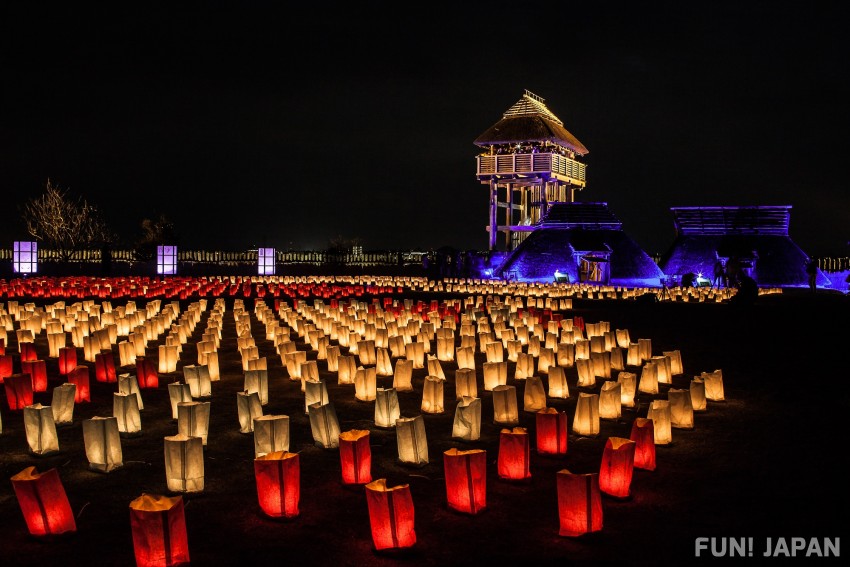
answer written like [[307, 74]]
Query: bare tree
[[64, 222], [159, 230]]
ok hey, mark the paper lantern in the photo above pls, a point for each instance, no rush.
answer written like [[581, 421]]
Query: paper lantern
[[514, 458], [67, 360], [558, 387], [648, 383], [495, 374], [659, 413], [324, 425], [601, 363], [62, 403], [40, 429], [213, 367], [42, 499], [146, 373], [103, 443], [79, 377], [104, 367], [158, 525], [628, 386], [248, 408], [466, 357], [193, 419], [365, 383], [467, 419], [403, 375], [582, 349], [315, 392], [579, 503], [645, 349], [168, 357], [383, 363], [126, 354], [271, 434], [127, 384], [586, 418], [545, 360], [534, 394], [566, 355], [552, 434], [586, 375], [505, 410], [184, 463], [697, 390], [617, 467], [466, 480], [178, 392], [415, 352], [347, 368], [27, 349], [643, 434], [411, 440], [355, 455], [278, 479], [466, 384], [675, 357], [125, 407], [391, 515], [197, 376], [257, 381], [387, 409], [6, 366], [514, 349], [432, 395], [713, 385], [524, 366], [434, 368], [446, 349], [663, 368], [633, 355], [37, 370], [610, 400], [495, 352], [681, 410]]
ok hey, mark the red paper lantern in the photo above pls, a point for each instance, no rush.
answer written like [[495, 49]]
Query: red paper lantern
[[28, 351], [18, 391], [146, 373], [43, 502], [37, 369], [278, 477], [643, 434], [391, 515], [466, 479], [6, 366], [551, 432], [79, 376], [67, 360], [104, 367], [2, 346], [159, 531], [514, 454], [579, 503], [355, 455], [617, 467]]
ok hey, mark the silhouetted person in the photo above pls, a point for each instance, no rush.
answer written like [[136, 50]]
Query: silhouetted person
[[812, 270], [719, 275]]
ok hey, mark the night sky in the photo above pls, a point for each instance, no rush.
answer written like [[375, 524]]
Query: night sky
[[276, 124]]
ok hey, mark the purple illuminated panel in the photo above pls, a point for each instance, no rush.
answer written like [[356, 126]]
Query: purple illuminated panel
[[25, 257], [166, 260], [265, 261]]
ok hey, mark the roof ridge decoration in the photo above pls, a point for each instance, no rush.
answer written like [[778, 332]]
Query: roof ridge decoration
[[531, 105]]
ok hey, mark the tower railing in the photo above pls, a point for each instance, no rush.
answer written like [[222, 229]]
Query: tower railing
[[552, 164]]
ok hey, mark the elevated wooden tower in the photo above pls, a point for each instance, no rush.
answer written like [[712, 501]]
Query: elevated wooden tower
[[529, 161]]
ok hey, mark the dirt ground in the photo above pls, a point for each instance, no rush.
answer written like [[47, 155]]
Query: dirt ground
[[765, 463]]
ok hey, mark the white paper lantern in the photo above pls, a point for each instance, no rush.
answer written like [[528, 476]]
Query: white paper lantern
[[315, 392], [40, 429], [659, 413], [257, 381], [628, 387], [365, 383], [586, 376], [62, 403], [403, 375], [103, 444], [675, 361], [193, 419], [432, 395], [466, 384], [249, 408], [534, 394], [415, 352], [383, 362], [129, 384], [663, 368], [387, 409], [495, 374], [713, 385], [610, 400], [168, 357], [125, 407], [681, 410], [505, 407], [586, 418], [184, 463], [347, 369], [178, 392], [466, 357], [648, 383], [698, 399], [566, 355], [412, 441], [434, 368], [271, 434], [324, 425], [467, 419]]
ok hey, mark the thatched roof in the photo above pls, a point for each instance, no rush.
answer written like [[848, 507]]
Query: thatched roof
[[528, 120]]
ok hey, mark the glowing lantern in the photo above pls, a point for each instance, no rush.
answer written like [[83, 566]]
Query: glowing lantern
[[659, 413], [558, 387], [586, 418], [158, 524], [257, 381], [127, 384], [628, 386], [643, 434], [586, 377], [465, 383], [582, 349], [62, 403], [104, 367], [432, 395], [466, 480], [387, 409], [633, 355], [146, 373], [713, 385], [566, 355], [178, 392], [446, 349], [663, 369], [347, 368], [616, 359], [197, 376], [601, 363], [271, 434], [37, 370], [697, 390], [505, 409], [466, 357], [43, 501], [524, 366], [617, 467], [403, 375], [355, 456], [675, 357], [366, 353], [27, 349], [383, 363], [278, 478], [434, 367], [610, 400], [193, 419], [495, 352], [168, 357], [534, 394], [514, 454], [126, 353], [212, 366], [495, 374], [125, 407], [648, 383], [324, 425], [184, 463], [681, 410], [411, 440], [391, 515], [67, 360], [6, 366], [551, 432], [41, 429], [248, 408], [579, 503], [103, 444], [467, 419], [645, 349], [545, 360], [79, 377], [415, 352]]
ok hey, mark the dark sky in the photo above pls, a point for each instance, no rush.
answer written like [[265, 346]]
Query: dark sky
[[259, 125]]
